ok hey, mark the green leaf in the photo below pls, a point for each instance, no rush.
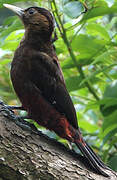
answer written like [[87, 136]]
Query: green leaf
[[93, 74], [7, 2], [110, 123], [16, 25], [109, 129], [60, 46], [91, 128], [72, 83], [109, 136], [111, 90], [67, 64], [107, 101], [97, 30], [12, 41], [110, 97], [5, 61], [99, 11], [108, 56], [88, 45], [113, 162], [73, 9]]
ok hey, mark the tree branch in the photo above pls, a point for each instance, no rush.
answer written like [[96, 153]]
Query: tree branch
[[71, 53], [30, 155]]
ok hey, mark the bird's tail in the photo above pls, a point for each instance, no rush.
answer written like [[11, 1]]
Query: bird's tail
[[94, 160]]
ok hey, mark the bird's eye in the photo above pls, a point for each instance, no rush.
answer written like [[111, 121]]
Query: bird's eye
[[31, 11]]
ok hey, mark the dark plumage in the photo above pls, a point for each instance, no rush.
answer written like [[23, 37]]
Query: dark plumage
[[38, 81]]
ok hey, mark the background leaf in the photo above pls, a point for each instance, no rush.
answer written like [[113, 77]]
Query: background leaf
[[87, 52]]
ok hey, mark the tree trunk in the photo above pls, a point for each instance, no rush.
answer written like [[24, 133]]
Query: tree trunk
[[30, 155]]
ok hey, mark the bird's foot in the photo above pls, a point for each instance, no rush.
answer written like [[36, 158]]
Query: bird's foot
[[10, 108], [14, 107], [25, 125], [7, 111]]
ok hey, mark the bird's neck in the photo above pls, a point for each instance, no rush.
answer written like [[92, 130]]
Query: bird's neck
[[39, 43], [35, 37]]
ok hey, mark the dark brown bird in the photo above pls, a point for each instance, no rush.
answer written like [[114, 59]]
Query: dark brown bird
[[38, 81]]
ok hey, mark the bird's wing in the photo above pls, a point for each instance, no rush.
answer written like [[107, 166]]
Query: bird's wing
[[47, 76]]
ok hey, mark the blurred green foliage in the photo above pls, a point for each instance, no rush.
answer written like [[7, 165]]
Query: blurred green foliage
[[87, 50]]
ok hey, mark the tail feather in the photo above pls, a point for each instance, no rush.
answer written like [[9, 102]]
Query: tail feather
[[94, 160], [98, 160]]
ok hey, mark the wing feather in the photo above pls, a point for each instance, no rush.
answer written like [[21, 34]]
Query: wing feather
[[47, 76]]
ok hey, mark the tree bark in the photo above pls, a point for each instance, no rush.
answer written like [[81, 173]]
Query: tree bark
[[30, 155]]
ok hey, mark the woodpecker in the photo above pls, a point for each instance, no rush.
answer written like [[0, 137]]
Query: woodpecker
[[38, 81]]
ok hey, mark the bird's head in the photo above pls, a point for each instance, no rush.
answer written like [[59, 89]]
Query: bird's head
[[35, 19]]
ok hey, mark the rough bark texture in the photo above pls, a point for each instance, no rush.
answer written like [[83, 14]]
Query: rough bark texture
[[26, 155]]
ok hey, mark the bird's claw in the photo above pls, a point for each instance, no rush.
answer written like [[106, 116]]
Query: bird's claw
[[6, 108], [6, 111], [19, 120]]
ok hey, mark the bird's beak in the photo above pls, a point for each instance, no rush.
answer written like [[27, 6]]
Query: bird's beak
[[17, 10]]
